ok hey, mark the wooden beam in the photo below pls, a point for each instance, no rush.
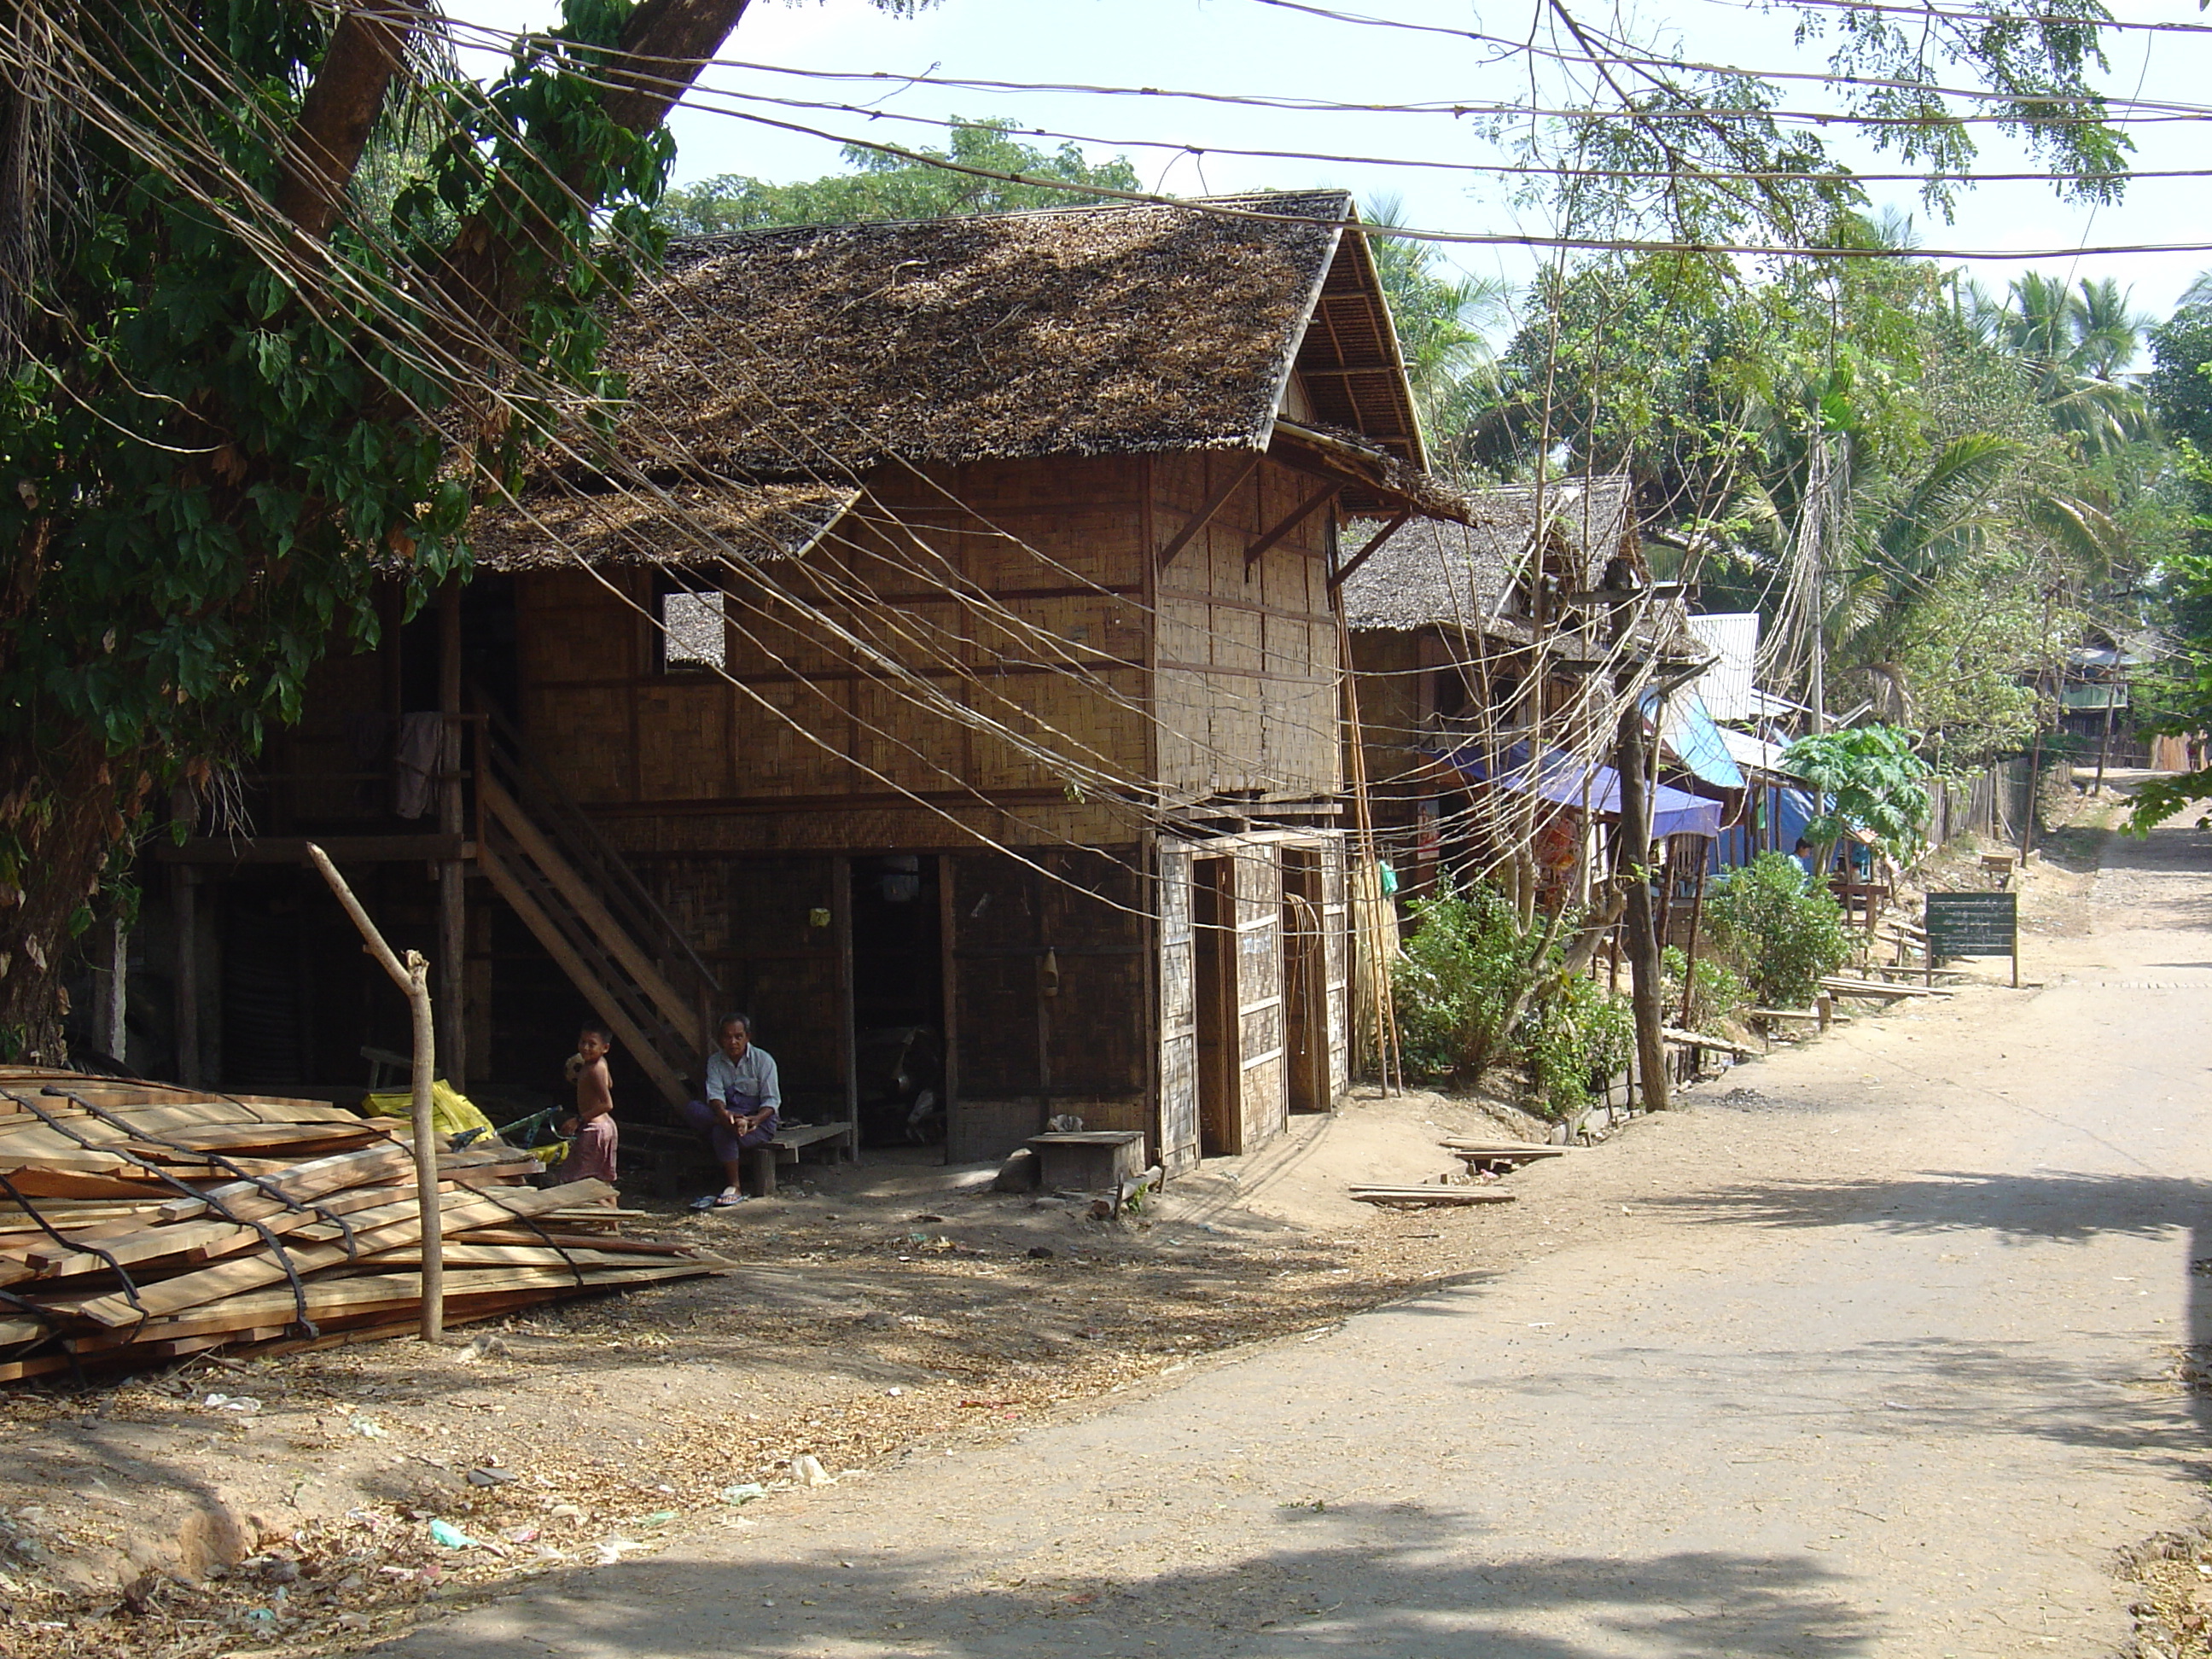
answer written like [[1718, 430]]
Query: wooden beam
[[452, 902], [342, 849], [1204, 516], [1374, 542], [1297, 516]]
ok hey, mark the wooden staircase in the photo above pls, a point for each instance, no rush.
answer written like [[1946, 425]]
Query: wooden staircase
[[587, 908]]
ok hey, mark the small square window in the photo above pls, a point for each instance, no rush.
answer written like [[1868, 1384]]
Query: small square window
[[691, 637]]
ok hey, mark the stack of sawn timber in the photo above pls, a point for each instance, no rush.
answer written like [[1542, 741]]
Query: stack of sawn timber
[[139, 1222]]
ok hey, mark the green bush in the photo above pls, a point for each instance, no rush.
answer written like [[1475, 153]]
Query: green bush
[[1574, 1042], [1460, 973], [1462, 969], [1720, 995], [1781, 931]]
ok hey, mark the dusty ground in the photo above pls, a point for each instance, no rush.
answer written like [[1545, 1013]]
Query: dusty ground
[[874, 1316], [1876, 1352], [897, 1316]]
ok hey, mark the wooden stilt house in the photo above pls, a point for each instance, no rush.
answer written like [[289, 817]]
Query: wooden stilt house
[[942, 664], [1473, 642]]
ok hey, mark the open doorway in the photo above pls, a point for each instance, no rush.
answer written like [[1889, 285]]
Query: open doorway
[[1213, 942], [1305, 981], [898, 999]]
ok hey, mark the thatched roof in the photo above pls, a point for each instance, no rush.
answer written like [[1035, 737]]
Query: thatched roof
[[1432, 573], [1121, 329], [688, 522]]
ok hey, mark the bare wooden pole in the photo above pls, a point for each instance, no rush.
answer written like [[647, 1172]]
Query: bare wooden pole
[[413, 977]]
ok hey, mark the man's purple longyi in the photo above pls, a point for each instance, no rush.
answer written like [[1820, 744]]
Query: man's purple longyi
[[727, 1142]]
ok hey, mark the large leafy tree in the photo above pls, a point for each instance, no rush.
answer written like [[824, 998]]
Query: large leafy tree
[[984, 169], [243, 373]]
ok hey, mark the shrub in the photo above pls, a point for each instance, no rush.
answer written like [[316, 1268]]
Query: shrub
[[1461, 968], [1720, 995], [1573, 1042], [1461, 974], [1781, 931]]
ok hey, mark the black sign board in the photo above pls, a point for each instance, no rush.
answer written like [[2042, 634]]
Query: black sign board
[[1974, 925]]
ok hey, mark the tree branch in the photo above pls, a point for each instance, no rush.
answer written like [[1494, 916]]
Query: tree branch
[[340, 111], [665, 44]]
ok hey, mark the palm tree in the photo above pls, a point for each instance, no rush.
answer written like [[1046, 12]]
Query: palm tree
[[2075, 345], [1443, 323]]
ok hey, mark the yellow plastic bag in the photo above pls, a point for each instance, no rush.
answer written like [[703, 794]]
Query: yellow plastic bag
[[452, 1112]]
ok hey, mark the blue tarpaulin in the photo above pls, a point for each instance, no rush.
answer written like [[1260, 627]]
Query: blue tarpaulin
[[1687, 730], [1559, 777]]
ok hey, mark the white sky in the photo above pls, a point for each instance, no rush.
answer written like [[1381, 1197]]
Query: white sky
[[1246, 47]]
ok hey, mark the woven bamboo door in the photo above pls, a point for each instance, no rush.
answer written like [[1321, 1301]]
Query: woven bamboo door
[[1178, 1120]]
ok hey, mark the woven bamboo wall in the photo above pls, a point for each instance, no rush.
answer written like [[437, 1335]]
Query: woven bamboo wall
[[1248, 656], [1015, 590]]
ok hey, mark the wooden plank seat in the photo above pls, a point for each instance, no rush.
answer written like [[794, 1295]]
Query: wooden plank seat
[[762, 1162], [1859, 987], [1494, 1152]]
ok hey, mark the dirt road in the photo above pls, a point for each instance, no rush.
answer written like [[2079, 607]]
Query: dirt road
[[1879, 1359]]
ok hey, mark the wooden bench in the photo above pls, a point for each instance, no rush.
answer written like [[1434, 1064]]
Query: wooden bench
[[1860, 987], [762, 1161]]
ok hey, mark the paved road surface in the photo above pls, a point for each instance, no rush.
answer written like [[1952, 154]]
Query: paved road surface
[[1875, 1371]]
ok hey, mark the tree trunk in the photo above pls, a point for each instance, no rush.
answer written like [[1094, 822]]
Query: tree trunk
[[66, 818], [1633, 848]]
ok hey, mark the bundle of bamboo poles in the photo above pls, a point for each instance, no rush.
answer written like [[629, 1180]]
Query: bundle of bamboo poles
[[140, 1222]]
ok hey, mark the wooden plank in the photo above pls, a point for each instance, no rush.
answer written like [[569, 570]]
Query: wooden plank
[[292, 850], [1290, 521], [372, 1292], [1452, 1195], [1696, 1039], [1863, 987], [208, 1284], [1374, 546]]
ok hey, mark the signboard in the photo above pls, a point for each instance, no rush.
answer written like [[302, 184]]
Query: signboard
[[1974, 925]]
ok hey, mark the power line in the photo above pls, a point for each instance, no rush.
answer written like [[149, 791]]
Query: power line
[[1840, 175]]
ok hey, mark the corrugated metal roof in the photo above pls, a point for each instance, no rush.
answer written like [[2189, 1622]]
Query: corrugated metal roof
[[1727, 686]]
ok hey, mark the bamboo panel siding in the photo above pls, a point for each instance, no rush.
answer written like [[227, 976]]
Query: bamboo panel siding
[[1336, 924], [1178, 1142], [752, 920], [683, 740], [1264, 1099], [1245, 698], [825, 706], [1049, 1001]]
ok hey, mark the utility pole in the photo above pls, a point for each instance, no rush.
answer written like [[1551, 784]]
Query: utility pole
[[2035, 753]]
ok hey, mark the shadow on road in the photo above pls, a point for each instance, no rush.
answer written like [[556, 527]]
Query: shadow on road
[[1382, 1583], [2042, 1205]]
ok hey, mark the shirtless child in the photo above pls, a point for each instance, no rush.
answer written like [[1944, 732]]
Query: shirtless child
[[592, 1154]]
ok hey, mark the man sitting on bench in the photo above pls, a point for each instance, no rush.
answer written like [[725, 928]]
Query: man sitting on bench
[[741, 1108]]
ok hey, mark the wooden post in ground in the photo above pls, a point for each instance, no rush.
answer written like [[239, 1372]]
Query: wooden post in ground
[[413, 978]]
